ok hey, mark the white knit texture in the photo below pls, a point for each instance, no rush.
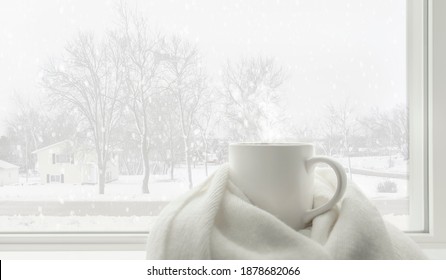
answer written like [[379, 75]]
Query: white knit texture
[[216, 221]]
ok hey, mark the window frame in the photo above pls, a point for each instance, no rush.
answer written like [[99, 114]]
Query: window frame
[[434, 55], [418, 121], [426, 63]]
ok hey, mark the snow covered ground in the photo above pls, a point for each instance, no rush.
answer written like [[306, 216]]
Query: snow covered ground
[[108, 223], [379, 163], [128, 189], [75, 223]]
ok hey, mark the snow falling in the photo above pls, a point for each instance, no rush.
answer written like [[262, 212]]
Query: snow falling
[[138, 101]]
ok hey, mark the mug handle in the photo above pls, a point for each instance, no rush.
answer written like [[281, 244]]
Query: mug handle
[[340, 190]]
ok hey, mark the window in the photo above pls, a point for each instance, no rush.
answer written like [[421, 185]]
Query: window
[[55, 178], [339, 74], [63, 158]]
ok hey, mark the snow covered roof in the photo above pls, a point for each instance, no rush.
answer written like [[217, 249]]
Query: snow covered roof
[[7, 165], [51, 146]]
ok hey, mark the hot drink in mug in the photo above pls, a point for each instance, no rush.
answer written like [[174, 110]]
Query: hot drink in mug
[[279, 178]]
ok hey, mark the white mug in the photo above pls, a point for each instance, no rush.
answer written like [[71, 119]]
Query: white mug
[[279, 178]]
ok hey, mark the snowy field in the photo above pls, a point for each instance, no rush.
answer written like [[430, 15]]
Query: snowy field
[[75, 223], [108, 223], [378, 163], [128, 190]]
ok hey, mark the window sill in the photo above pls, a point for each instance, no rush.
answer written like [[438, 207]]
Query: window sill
[[72, 242], [73, 255], [116, 246], [433, 254]]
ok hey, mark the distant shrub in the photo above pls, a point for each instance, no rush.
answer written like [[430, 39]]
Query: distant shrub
[[387, 187]]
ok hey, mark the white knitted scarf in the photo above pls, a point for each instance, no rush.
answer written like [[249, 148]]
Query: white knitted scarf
[[216, 220]]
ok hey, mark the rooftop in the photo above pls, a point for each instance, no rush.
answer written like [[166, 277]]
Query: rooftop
[[7, 165], [52, 145]]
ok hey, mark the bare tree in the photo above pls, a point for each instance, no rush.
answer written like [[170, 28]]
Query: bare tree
[[144, 54], [34, 125], [390, 128], [25, 127], [170, 141], [302, 132], [342, 119], [7, 148], [251, 91], [186, 84], [129, 144], [331, 141], [208, 119], [89, 79], [401, 129]]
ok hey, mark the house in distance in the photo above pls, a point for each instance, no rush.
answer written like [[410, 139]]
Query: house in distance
[[9, 173], [63, 163]]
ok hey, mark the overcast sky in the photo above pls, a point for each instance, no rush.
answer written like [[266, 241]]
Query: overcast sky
[[332, 49]]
